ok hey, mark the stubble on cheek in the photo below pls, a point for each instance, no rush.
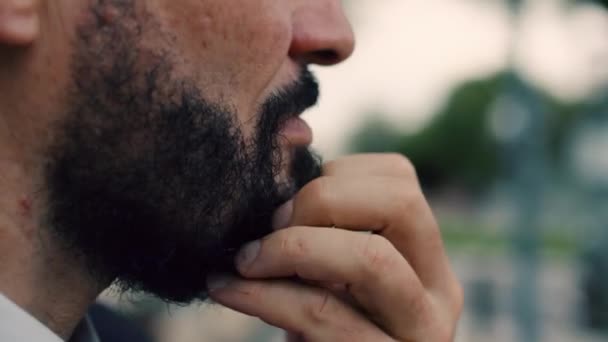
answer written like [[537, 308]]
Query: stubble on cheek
[[227, 45]]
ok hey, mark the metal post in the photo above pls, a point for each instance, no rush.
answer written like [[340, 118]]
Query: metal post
[[589, 170], [525, 159], [525, 162]]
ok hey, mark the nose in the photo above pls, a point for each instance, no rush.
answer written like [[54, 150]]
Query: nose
[[321, 34]]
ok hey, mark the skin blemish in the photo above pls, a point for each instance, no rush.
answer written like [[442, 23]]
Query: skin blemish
[[109, 14], [25, 207]]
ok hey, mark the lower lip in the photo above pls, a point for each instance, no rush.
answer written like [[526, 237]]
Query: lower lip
[[297, 132]]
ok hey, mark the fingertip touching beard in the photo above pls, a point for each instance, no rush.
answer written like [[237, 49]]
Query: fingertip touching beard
[[149, 183]]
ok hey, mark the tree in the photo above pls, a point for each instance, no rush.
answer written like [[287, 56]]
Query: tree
[[457, 147]]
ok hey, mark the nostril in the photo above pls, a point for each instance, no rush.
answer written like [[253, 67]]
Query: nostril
[[320, 36], [326, 57]]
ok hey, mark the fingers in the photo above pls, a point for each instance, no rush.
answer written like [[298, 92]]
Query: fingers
[[392, 207], [399, 276], [385, 165], [375, 273], [312, 313]]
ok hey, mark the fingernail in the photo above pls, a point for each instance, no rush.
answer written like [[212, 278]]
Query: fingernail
[[282, 216], [217, 282], [247, 255]]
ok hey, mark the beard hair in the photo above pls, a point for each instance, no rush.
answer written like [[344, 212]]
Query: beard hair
[[150, 184]]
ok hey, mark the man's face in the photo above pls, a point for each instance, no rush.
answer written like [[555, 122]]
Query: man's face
[[176, 137]]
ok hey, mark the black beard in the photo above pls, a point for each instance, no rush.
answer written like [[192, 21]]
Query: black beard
[[150, 184]]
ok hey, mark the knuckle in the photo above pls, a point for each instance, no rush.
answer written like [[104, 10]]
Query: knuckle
[[402, 164], [378, 254], [457, 295], [322, 307], [419, 303], [405, 197], [445, 321], [410, 205], [407, 202], [445, 333], [293, 245]]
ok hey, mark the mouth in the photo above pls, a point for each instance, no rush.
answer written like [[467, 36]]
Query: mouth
[[297, 132], [287, 105]]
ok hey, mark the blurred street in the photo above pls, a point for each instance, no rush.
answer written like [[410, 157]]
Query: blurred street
[[559, 314], [559, 297]]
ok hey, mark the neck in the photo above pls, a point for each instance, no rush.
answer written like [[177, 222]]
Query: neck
[[40, 278]]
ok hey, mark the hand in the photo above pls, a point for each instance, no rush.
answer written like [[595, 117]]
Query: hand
[[344, 284]]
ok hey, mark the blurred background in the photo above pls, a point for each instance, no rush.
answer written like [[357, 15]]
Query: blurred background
[[502, 106]]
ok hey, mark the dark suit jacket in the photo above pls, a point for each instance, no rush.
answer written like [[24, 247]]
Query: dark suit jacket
[[114, 327]]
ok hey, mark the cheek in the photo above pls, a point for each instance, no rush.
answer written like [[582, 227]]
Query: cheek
[[233, 48]]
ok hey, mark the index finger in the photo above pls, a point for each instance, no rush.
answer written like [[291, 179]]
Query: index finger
[[372, 164], [391, 207]]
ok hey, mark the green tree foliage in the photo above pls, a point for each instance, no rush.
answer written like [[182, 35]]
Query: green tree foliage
[[457, 146], [454, 148], [376, 135]]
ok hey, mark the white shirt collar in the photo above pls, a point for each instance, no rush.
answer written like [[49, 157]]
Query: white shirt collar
[[16, 325]]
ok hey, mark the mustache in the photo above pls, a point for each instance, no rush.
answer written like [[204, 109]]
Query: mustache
[[291, 100]]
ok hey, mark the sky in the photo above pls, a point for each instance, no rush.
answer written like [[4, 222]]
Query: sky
[[412, 53]]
